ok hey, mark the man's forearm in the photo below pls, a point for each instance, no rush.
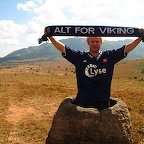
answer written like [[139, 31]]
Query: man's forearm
[[132, 45], [60, 46]]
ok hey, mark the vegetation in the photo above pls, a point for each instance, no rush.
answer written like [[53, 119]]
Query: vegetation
[[47, 52], [30, 94]]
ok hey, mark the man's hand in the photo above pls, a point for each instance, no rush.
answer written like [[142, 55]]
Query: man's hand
[[44, 37], [142, 32], [45, 31]]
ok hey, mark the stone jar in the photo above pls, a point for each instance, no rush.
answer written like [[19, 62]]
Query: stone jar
[[73, 124]]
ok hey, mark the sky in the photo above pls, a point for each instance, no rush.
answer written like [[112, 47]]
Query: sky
[[22, 21]]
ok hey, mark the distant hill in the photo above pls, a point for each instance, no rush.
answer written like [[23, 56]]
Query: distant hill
[[47, 50]]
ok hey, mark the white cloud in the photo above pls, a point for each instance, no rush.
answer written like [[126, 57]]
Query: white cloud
[[33, 32], [39, 1], [50, 13], [93, 12], [74, 12], [112, 12], [27, 6], [9, 32], [14, 36]]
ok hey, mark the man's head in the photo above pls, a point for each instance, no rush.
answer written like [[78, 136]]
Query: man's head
[[94, 43]]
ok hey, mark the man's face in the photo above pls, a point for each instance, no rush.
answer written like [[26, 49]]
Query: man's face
[[94, 44]]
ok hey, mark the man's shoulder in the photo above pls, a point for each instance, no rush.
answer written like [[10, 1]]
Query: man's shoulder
[[107, 52], [81, 52]]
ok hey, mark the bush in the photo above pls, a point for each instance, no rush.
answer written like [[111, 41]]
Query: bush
[[135, 77], [142, 71]]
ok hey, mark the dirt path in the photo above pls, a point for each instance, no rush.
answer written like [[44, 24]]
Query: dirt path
[[14, 115]]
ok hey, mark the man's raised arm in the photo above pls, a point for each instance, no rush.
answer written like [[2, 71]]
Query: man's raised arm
[[133, 44], [59, 45]]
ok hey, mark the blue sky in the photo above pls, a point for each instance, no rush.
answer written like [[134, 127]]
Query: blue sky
[[9, 11], [22, 21]]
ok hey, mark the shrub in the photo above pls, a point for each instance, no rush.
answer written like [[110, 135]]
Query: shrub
[[142, 71], [135, 77]]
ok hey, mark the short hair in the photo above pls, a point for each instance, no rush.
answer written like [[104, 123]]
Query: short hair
[[87, 39]]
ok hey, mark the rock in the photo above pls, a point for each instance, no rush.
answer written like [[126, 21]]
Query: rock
[[73, 124]]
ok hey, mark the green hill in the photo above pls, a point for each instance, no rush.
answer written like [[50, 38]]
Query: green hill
[[47, 50]]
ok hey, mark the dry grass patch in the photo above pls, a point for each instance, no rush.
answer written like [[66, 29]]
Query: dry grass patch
[[31, 93]]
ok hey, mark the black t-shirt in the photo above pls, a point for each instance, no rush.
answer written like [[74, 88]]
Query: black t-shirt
[[94, 74]]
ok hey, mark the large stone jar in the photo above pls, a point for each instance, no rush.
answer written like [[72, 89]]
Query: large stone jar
[[73, 124]]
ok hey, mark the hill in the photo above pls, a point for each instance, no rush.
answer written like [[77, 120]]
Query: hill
[[48, 52]]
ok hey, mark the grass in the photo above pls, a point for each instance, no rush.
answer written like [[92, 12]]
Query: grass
[[31, 93]]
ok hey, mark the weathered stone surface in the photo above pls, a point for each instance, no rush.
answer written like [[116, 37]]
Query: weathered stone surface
[[73, 124]]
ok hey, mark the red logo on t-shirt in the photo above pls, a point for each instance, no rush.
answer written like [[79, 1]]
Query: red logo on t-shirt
[[105, 60]]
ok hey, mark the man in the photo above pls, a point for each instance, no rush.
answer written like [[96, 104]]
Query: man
[[94, 70]]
